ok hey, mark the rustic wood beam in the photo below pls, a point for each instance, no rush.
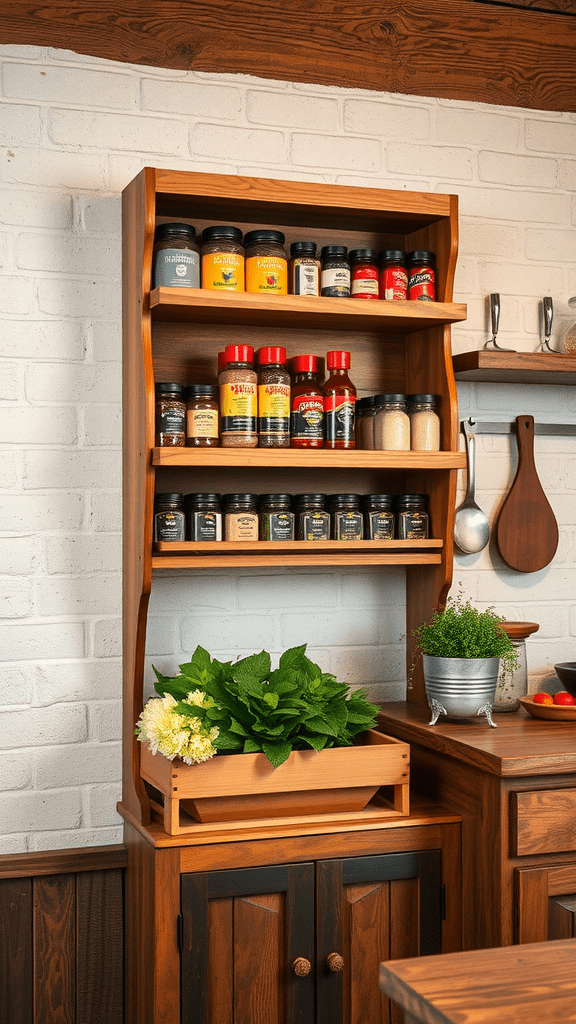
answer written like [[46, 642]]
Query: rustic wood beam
[[514, 54]]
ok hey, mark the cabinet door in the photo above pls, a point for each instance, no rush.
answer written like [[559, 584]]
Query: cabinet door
[[242, 931], [371, 909]]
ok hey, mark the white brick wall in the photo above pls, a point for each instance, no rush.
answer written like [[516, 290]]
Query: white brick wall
[[75, 130]]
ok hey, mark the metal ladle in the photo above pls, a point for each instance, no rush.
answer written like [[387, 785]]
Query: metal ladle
[[471, 527]]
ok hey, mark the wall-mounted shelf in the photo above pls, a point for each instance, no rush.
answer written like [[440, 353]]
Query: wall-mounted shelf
[[305, 458], [491, 367]]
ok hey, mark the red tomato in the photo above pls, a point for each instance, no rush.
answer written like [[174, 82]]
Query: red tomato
[[564, 698], [542, 698]]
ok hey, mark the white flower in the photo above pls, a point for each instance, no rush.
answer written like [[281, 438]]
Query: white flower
[[173, 734]]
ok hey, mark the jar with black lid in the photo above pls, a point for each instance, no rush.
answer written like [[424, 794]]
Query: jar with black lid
[[240, 516], [335, 276], [203, 516], [363, 273], [365, 411], [393, 278], [379, 518], [276, 517], [413, 520], [170, 416], [347, 519], [202, 416], [169, 518], [304, 269], [421, 275], [266, 262], [176, 257], [312, 519], [222, 258]]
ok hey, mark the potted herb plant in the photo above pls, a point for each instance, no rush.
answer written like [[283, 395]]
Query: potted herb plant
[[462, 649], [288, 727]]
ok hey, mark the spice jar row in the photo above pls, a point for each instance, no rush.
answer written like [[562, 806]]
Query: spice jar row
[[286, 517], [270, 408], [258, 262]]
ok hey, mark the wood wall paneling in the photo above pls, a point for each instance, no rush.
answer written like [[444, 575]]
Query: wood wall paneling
[[518, 54]]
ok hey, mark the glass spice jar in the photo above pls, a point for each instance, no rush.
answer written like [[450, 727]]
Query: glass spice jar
[[391, 423], [413, 520], [347, 519], [222, 258], [201, 416], [240, 517], [266, 262], [176, 257], [306, 404], [170, 416], [514, 684], [304, 269], [273, 398], [363, 274], [238, 398], [424, 423], [421, 276], [312, 518], [169, 518], [335, 275], [203, 517], [393, 278], [339, 402], [365, 410], [379, 518], [276, 517]]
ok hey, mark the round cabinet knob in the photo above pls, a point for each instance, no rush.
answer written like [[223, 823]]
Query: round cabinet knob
[[335, 962], [301, 966]]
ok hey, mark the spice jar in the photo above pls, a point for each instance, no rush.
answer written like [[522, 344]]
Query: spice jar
[[238, 398], [240, 517], [222, 259], [513, 684], [170, 415], [266, 262], [276, 517], [421, 276], [393, 279], [391, 424], [201, 415], [365, 411], [312, 519], [413, 521], [169, 518], [304, 269], [203, 517], [347, 519], [339, 402], [335, 275], [379, 519], [363, 274], [424, 423], [273, 398], [306, 404], [176, 257]]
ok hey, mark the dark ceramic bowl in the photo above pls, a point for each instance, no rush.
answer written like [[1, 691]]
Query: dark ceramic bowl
[[566, 673]]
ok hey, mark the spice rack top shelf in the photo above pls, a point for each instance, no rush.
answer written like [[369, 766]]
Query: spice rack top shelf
[[305, 312], [490, 367], [241, 458]]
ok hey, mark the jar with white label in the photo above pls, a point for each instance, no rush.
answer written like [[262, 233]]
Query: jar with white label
[[391, 423], [176, 257], [240, 517]]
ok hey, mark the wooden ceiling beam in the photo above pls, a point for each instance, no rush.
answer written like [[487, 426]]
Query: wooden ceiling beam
[[512, 54]]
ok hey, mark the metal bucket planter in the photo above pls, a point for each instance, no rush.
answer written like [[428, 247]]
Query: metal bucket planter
[[461, 687]]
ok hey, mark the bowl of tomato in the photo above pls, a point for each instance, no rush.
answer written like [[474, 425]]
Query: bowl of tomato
[[566, 672]]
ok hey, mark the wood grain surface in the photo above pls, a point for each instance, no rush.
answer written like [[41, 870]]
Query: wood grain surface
[[519, 54]]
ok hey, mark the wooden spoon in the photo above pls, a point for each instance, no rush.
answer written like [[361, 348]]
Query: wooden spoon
[[527, 531]]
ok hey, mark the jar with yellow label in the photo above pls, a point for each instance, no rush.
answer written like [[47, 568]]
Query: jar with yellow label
[[266, 262], [222, 259], [273, 398], [238, 398]]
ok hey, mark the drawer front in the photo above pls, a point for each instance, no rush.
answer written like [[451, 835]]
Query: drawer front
[[543, 821]]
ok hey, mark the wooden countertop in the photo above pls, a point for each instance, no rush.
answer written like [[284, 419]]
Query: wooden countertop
[[508, 985], [520, 744]]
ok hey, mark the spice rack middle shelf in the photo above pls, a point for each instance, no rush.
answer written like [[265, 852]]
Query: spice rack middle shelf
[[323, 458], [222, 554], [307, 312]]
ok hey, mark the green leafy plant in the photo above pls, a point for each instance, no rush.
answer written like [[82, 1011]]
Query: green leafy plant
[[462, 631], [245, 707]]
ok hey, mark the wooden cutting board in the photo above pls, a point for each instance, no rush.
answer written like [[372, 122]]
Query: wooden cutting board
[[527, 531]]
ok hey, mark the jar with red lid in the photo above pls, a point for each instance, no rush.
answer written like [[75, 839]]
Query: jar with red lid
[[273, 398], [421, 276], [363, 274], [306, 404], [238, 398], [393, 281], [339, 402]]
